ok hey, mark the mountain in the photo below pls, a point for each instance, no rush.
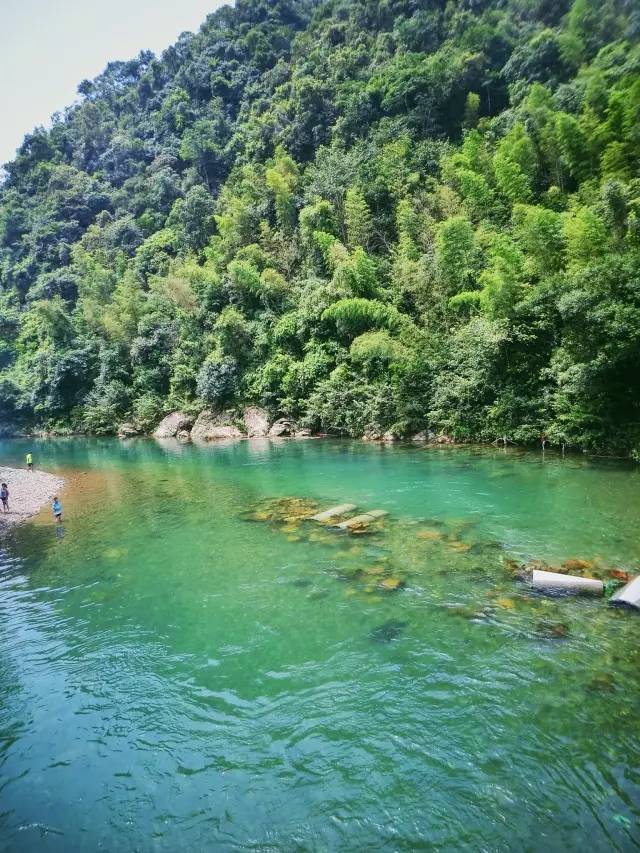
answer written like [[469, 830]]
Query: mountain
[[369, 216]]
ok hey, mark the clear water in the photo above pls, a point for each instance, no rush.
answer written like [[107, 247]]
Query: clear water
[[174, 676]]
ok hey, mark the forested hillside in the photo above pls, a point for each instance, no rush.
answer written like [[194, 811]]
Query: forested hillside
[[368, 216]]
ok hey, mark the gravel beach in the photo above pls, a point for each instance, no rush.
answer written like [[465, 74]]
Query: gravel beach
[[28, 493]]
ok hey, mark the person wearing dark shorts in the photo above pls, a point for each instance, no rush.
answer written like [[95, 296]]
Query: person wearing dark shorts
[[56, 508], [4, 497]]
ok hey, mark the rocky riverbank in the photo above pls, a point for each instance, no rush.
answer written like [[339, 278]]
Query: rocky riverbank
[[29, 491]]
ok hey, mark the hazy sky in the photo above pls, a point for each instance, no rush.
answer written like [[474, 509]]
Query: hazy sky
[[48, 46]]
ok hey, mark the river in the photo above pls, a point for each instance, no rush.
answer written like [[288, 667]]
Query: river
[[187, 665]]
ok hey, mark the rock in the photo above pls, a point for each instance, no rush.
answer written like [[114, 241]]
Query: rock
[[362, 520], [620, 575], [387, 632], [391, 584], [256, 422], [371, 435], [444, 439], [333, 512], [282, 427], [127, 430], [602, 683], [389, 437], [420, 436], [577, 566], [429, 535], [183, 435], [552, 630], [210, 426], [305, 432], [170, 426]]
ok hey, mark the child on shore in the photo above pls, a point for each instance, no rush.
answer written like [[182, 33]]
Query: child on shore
[[56, 507], [4, 497]]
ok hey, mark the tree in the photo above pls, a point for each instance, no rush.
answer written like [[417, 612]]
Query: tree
[[358, 219]]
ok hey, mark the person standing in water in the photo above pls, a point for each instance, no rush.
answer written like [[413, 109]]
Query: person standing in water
[[30, 461], [4, 497], [56, 508]]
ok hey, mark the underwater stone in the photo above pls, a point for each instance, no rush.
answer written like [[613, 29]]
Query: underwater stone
[[577, 565], [391, 584], [552, 630], [388, 631], [429, 535], [333, 512], [362, 520]]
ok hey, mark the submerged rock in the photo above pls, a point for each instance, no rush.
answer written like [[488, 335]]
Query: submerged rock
[[552, 630], [286, 511], [429, 535], [391, 584], [576, 566], [604, 682], [620, 575], [461, 547], [388, 631], [318, 594], [173, 424]]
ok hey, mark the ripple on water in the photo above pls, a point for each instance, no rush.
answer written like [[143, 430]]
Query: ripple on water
[[172, 675]]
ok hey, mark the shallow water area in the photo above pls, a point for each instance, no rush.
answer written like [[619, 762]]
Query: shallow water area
[[191, 663]]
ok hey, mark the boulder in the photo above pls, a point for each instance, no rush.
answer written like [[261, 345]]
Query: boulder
[[444, 439], [371, 435], [282, 427], [172, 425], [420, 436], [183, 435], [305, 432], [256, 422], [389, 437], [127, 430], [210, 426]]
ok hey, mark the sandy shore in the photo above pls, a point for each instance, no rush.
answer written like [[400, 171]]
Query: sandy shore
[[28, 493]]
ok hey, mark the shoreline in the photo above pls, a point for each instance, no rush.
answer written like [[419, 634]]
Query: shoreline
[[29, 492]]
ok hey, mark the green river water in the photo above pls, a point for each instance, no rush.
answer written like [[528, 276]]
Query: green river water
[[189, 667]]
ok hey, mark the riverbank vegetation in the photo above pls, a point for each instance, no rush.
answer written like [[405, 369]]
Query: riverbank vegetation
[[367, 216]]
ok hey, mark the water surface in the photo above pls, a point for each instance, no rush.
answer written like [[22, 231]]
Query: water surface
[[176, 675]]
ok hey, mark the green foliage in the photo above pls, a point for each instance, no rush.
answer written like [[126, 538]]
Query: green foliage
[[366, 215], [455, 253], [217, 381], [358, 219]]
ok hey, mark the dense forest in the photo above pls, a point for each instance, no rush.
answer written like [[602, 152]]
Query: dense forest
[[368, 216]]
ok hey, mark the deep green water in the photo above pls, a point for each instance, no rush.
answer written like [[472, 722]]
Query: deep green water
[[174, 676]]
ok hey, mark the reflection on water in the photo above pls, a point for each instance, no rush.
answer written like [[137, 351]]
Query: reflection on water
[[197, 665]]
